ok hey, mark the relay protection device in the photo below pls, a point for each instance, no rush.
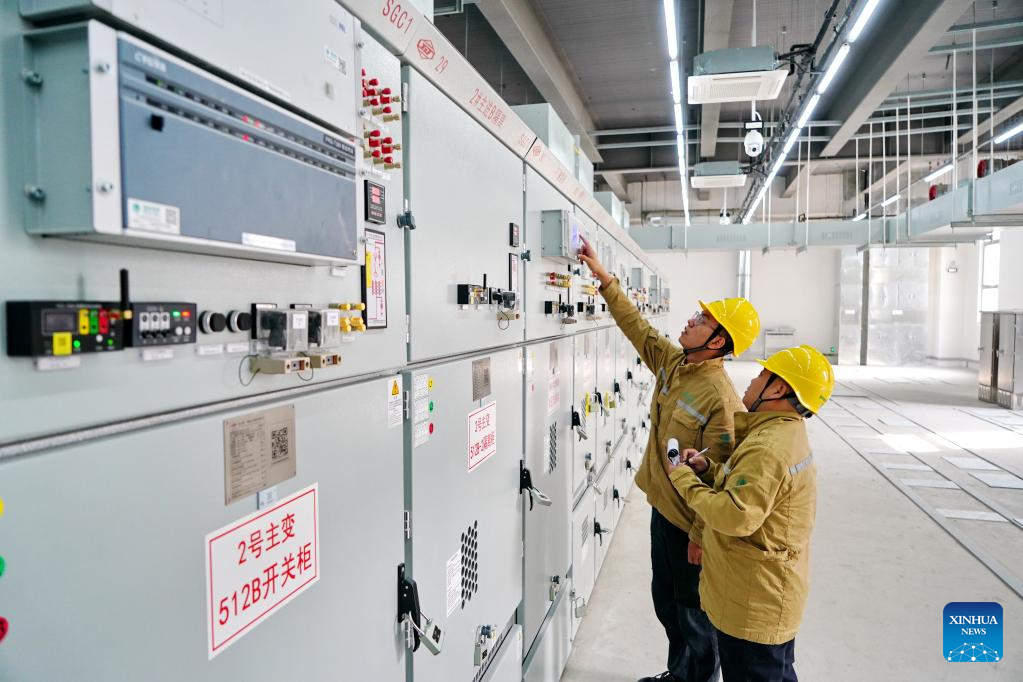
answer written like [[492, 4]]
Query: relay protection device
[[154, 151], [561, 236]]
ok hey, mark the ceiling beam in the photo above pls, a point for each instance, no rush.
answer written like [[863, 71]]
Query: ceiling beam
[[999, 117], [882, 63], [996, 25], [522, 32], [616, 181], [986, 45], [717, 31]]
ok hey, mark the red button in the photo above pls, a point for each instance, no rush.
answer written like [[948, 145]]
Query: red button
[[374, 82], [388, 140], [387, 110], [431, 428], [376, 154], [388, 159], [4, 626], [374, 102], [364, 72], [375, 133], [385, 99], [373, 142], [385, 91]]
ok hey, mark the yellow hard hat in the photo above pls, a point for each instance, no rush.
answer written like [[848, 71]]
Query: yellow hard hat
[[739, 318], [807, 371]]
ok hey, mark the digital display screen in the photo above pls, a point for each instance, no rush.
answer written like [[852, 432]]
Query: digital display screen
[[55, 321], [575, 236]]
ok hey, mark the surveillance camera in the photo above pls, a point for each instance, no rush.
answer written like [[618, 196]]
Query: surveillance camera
[[754, 143]]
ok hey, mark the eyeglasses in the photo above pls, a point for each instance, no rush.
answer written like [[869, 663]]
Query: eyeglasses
[[698, 318]]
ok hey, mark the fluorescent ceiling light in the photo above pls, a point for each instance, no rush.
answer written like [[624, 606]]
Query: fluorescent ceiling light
[[861, 21], [1011, 132], [833, 68], [808, 111], [938, 173], [890, 200], [679, 122], [793, 136], [676, 82], [672, 29], [777, 165], [860, 217]]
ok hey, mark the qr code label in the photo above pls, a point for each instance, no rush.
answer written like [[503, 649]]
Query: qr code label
[[259, 451], [279, 444]]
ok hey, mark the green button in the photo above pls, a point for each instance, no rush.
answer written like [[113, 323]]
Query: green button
[[431, 406], [3, 565]]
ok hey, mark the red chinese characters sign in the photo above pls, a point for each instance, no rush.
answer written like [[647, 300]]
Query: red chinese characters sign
[[259, 563], [482, 435]]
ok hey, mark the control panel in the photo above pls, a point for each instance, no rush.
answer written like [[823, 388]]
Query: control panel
[[162, 324], [63, 328]]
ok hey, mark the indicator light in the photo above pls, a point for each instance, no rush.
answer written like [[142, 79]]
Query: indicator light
[[431, 406], [4, 627], [110, 342], [77, 344], [3, 566], [186, 313], [431, 427], [176, 313]]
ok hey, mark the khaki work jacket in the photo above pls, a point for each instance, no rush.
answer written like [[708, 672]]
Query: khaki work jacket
[[759, 515], [694, 403]]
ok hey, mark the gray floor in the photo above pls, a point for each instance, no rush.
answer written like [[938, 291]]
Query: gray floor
[[883, 566]]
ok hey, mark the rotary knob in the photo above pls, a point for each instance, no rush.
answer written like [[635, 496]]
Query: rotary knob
[[239, 321], [211, 322]]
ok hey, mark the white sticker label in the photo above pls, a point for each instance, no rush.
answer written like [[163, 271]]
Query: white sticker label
[[421, 434], [211, 349], [453, 580], [482, 435], [49, 364], [393, 404], [259, 563], [262, 241], [299, 321], [156, 354], [154, 217], [236, 348], [553, 393]]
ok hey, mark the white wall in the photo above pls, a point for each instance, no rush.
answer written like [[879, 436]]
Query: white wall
[[698, 276], [953, 326], [788, 289], [799, 291], [1010, 284]]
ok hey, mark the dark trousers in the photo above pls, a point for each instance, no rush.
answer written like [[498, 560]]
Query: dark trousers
[[745, 661], [692, 648]]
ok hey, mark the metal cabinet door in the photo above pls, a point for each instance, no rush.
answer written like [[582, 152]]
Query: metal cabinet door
[[1006, 353], [603, 514], [466, 547], [583, 544], [585, 450], [606, 384], [988, 349], [104, 546], [465, 189], [507, 665], [548, 539]]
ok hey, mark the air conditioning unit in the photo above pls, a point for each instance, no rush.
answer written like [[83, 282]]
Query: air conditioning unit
[[743, 74], [715, 174]]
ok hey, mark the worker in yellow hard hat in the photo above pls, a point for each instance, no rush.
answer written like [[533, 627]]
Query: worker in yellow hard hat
[[759, 508], [694, 403]]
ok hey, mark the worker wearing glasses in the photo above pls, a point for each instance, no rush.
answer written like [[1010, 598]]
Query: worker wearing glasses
[[694, 402]]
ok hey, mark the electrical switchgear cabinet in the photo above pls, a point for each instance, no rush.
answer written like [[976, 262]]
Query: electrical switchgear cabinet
[[583, 550], [104, 546], [549, 285], [584, 411], [548, 459], [462, 217], [466, 547], [312, 67], [549, 654]]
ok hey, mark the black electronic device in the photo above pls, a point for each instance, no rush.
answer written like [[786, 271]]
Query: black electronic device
[[376, 203], [514, 235], [63, 328], [162, 324]]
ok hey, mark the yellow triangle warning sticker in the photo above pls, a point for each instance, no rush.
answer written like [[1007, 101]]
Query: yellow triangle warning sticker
[[394, 388]]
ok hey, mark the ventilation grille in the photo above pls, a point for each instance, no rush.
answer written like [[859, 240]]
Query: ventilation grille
[[736, 87], [552, 448], [587, 530], [470, 563]]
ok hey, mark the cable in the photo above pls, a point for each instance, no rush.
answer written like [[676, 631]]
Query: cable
[[240, 365], [312, 373]]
